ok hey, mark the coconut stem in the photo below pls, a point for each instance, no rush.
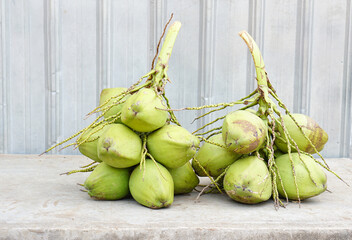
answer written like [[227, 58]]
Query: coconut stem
[[262, 79], [165, 53]]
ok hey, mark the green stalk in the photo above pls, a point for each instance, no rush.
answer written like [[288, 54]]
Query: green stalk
[[262, 79], [165, 52]]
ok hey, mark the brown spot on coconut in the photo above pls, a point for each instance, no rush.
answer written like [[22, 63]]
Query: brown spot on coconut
[[172, 145], [152, 186], [212, 158], [248, 181], [243, 132], [310, 128], [310, 177], [119, 146]]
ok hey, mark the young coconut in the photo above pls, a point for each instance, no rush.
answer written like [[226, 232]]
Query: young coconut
[[119, 146], [248, 181], [89, 147], [311, 129], [243, 132], [185, 180], [152, 186], [142, 113], [108, 183], [107, 95], [212, 158], [172, 145], [310, 177]]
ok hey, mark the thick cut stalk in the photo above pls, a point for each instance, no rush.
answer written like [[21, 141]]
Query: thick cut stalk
[[257, 58], [165, 52], [262, 79]]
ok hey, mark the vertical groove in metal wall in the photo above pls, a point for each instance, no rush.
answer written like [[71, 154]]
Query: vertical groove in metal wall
[[250, 66], [206, 55], [309, 50], [130, 45], [53, 48], [345, 134], [79, 78], [79, 74], [212, 50], [298, 78], [303, 57], [98, 36], [201, 57], [104, 41], [4, 76], [256, 23], [159, 15], [109, 39], [150, 33], [47, 50], [27, 76], [2, 82], [57, 71], [349, 80], [160, 19]]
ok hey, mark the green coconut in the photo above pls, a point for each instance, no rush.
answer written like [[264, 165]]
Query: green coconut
[[185, 179], [108, 183], [310, 177], [106, 94], [310, 128], [152, 186], [119, 146], [142, 113], [212, 158], [248, 181], [89, 148], [243, 132], [172, 145]]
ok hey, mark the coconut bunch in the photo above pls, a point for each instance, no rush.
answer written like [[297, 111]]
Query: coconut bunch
[[256, 152], [150, 166], [137, 147]]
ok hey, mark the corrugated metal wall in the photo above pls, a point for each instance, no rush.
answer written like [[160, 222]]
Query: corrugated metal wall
[[57, 55]]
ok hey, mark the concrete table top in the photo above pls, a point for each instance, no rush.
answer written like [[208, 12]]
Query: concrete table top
[[37, 203]]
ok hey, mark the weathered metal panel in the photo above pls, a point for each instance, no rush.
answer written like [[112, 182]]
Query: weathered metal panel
[[327, 65], [57, 55]]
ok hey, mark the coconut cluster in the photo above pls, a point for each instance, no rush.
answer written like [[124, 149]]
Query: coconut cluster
[[234, 158], [140, 149], [260, 153], [140, 154]]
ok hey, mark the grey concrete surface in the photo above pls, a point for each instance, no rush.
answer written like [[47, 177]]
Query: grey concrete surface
[[37, 203]]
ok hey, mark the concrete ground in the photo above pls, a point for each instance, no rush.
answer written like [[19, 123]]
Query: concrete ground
[[37, 203]]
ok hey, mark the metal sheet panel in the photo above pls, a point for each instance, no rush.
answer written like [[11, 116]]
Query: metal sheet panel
[[57, 55]]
